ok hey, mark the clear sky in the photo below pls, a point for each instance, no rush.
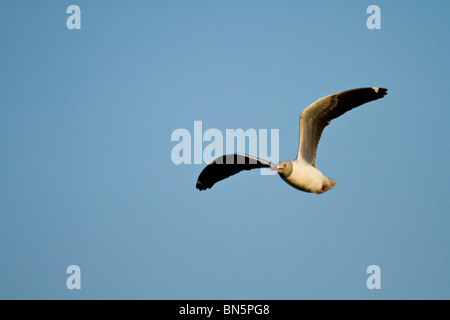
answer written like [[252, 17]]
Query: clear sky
[[87, 179]]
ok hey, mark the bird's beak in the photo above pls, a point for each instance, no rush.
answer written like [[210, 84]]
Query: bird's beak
[[274, 168]]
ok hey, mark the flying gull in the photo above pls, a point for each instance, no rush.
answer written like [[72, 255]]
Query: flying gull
[[301, 173]]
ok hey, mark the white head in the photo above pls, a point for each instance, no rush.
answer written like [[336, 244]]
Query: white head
[[284, 168]]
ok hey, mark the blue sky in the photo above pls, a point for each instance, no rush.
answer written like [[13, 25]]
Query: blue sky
[[86, 176]]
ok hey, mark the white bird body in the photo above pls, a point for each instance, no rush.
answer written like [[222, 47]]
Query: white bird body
[[307, 178], [301, 173]]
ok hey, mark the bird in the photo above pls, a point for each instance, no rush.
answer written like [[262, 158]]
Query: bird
[[301, 173]]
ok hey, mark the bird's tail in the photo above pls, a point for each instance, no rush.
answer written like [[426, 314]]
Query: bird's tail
[[332, 182]]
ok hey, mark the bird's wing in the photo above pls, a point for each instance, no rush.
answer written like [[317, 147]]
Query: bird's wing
[[228, 165], [319, 114]]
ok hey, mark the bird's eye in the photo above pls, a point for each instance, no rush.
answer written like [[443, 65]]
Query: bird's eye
[[284, 165]]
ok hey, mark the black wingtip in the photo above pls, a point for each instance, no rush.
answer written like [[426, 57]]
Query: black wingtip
[[200, 186], [381, 92]]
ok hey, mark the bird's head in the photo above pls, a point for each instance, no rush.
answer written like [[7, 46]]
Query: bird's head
[[284, 168]]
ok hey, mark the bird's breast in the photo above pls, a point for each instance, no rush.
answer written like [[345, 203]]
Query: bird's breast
[[306, 178]]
